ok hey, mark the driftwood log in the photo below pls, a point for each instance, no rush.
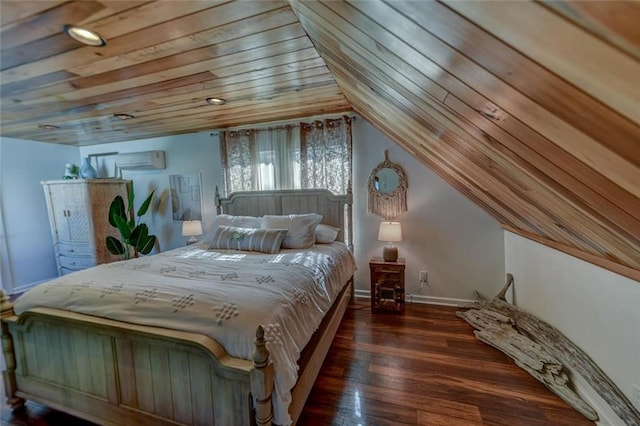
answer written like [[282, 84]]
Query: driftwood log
[[543, 351]]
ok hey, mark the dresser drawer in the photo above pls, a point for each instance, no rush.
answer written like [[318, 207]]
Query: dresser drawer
[[71, 249], [65, 271], [386, 275], [77, 263], [387, 269]]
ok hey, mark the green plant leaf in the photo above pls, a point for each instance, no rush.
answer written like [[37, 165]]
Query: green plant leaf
[[114, 245], [148, 245], [139, 235], [145, 206], [123, 227], [130, 201], [134, 238], [116, 209]]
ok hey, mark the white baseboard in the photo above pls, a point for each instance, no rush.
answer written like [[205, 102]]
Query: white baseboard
[[25, 287], [434, 300], [419, 298], [362, 294]]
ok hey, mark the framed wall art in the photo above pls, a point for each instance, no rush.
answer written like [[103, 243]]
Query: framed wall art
[[186, 196]]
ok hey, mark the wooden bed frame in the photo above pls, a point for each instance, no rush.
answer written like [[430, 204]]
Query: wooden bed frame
[[117, 373]]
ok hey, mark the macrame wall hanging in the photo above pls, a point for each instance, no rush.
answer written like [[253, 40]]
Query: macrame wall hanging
[[387, 190]]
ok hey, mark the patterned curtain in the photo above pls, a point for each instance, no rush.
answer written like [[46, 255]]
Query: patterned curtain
[[236, 160], [318, 156], [261, 159], [325, 154]]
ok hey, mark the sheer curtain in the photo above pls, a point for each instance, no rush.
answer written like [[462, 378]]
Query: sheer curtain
[[277, 156], [325, 154], [261, 159], [316, 156]]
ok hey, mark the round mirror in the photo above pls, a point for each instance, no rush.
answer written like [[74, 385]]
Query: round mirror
[[386, 180], [387, 190]]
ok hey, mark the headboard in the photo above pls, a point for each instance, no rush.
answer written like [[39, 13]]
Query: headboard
[[335, 209]]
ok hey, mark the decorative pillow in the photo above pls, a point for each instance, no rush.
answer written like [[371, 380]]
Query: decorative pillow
[[326, 234], [301, 227], [247, 239]]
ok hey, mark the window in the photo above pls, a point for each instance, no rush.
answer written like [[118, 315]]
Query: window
[[311, 155]]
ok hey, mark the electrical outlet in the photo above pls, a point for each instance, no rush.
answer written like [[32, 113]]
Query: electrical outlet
[[636, 396], [422, 276]]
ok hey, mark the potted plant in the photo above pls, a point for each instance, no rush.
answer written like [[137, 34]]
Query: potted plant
[[134, 234]]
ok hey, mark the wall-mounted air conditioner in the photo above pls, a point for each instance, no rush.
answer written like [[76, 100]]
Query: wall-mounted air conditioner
[[147, 160]]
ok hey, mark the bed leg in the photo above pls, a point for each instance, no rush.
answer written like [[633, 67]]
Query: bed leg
[[262, 380], [9, 374]]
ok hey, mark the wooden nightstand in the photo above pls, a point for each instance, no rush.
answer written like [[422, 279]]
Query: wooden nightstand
[[387, 285]]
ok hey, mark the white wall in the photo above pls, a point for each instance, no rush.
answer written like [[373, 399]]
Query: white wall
[[596, 309], [458, 244], [185, 154], [26, 246]]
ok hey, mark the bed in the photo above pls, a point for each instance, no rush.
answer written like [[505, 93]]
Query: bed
[[114, 368]]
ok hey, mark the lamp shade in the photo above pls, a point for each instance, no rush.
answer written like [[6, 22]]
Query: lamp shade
[[390, 231], [191, 228]]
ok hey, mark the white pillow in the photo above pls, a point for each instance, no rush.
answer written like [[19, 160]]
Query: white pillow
[[236, 221], [301, 228], [326, 234]]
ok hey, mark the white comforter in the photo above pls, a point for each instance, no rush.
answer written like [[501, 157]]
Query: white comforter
[[222, 294]]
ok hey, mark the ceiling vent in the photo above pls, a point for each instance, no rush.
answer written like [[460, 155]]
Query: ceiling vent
[[148, 160]]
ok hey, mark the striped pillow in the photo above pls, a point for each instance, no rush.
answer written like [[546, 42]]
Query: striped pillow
[[247, 239]]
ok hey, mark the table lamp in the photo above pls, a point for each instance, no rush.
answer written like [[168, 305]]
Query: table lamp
[[191, 228], [390, 232]]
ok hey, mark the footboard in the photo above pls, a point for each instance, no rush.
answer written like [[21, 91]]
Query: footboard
[[116, 373]]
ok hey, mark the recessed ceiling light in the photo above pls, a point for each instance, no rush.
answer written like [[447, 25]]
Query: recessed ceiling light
[[84, 36], [123, 116], [49, 126], [216, 101]]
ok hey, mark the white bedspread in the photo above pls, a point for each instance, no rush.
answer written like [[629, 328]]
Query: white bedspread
[[222, 294]]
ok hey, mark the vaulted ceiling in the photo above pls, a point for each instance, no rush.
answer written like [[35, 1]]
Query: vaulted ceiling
[[531, 109]]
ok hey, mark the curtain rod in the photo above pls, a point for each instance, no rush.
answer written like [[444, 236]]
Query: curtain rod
[[260, 129], [217, 133]]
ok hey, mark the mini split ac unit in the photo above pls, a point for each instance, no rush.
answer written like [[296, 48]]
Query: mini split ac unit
[[147, 160]]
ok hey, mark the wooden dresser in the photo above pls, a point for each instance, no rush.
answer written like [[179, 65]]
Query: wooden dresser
[[387, 285], [79, 218]]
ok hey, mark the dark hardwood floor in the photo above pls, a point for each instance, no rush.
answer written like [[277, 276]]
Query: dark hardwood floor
[[421, 368]]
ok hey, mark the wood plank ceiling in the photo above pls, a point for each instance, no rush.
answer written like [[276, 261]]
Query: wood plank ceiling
[[161, 61], [531, 109]]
